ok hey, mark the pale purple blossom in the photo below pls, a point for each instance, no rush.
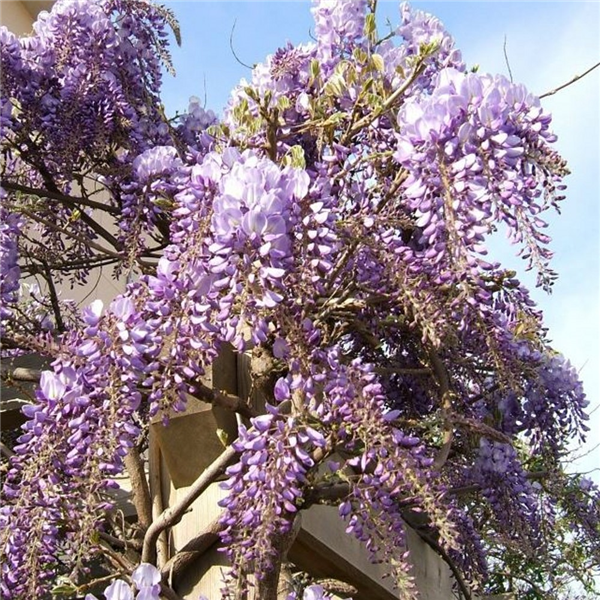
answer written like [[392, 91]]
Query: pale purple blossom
[[156, 161]]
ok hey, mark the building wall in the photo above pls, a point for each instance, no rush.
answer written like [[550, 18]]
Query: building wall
[[18, 15]]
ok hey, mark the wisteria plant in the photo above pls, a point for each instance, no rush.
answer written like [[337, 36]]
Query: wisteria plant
[[332, 226]]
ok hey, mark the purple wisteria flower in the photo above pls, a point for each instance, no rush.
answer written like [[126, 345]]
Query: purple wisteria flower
[[192, 125], [155, 162], [339, 26], [275, 455], [146, 578], [313, 592], [10, 272], [463, 146]]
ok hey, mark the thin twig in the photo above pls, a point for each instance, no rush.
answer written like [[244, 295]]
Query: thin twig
[[73, 236], [506, 60], [64, 267], [564, 85], [70, 201], [119, 543], [101, 231], [95, 582], [538, 591], [60, 325], [237, 58], [587, 452]]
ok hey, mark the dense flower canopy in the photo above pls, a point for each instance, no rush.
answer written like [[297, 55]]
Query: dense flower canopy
[[332, 226]]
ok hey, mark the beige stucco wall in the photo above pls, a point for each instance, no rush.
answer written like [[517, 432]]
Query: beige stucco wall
[[15, 16], [19, 15]]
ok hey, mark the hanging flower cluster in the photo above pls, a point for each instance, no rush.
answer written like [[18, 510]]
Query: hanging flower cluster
[[471, 149], [10, 225], [80, 428], [265, 489]]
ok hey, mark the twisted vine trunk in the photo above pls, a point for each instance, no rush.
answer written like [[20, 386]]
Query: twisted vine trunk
[[277, 584]]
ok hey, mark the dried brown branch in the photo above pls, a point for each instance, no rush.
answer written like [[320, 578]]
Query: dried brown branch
[[192, 551], [224, 400], [173, 514], [154, 468], [268, 587], [443, 381], [20, 374], [70, 201], [139, 487]]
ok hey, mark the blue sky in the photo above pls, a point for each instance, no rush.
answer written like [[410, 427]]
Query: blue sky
[[547, 43]]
